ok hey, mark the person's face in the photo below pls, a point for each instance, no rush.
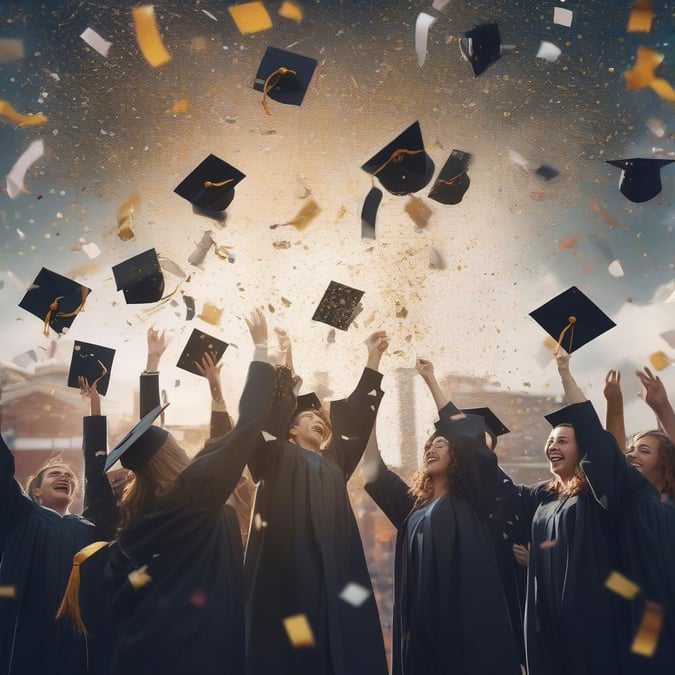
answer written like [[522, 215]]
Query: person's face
[[308, 430], [562, 452], [644, 456], [437, 456], [57, 489]]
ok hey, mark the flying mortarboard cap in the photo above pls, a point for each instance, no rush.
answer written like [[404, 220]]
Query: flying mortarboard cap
[[572, 319], [547, 172], [140, 444], [640, 178], [492, 422], [211, 185], [338, 305], [140, 278], [92, 362], [402, 166], [55, 299], [481, 46], [452, 181], [283, 76], [308, 402], [198, 345]]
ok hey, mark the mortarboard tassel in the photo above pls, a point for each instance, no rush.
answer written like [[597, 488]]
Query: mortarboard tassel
[[210, 184], [397, 158], [55, 305], [70, 605], [282, 70], [571, 321]]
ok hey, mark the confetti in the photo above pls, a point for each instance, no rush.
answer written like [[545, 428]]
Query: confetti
[[211, 314], [418, 211], [640, 19], [291, 10], [209, 15], [18, 172], [8, 111], [139, 578], [7, 592], [148, 37], [354, 594], [306, 215], [669, 337], [659, 360], [250, 17], [11, 49], [180, 107], [124, 217], [562, 16], [647, 638], [198, 255], [615, 268], [548, 51], [622, 586], [95, 41], [189, 307], [198, 598], [422, 25], [642, 74], [518, 159], [299, 631]]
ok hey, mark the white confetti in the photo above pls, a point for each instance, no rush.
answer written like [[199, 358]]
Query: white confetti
[[209, 15], [656, 127], [615, 269], [518, 159], [91, 249], [354, 594], [422, 25], [21, 234], [15, 177], [563, 16], [548, 51], [96, 42]]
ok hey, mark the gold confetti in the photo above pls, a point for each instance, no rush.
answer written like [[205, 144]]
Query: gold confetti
[[647, 638], [659, 360], [306, 214], [180, 107], [299, 631], [640, 20], [124, 217], [622, 586], [418, 211], [250, 17], [211, 314], [139, 578], [7, 592], [642, 75], [291, 10], [148, 37], [8, 111]]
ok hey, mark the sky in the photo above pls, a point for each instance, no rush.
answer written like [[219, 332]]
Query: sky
[[515, 240]]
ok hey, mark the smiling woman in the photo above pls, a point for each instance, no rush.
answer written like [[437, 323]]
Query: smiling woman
[[653, 455]]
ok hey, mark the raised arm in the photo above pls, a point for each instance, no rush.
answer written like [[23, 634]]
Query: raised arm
[[221, 422], [426, 369], [573, 392], [352, 418], [657, 399], [100, 505], [15, 506], [149, 384], [387, 489], [614, 422], [214, 473]]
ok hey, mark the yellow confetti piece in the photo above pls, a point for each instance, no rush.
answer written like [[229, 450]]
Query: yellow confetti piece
[[211, 314], [180, 107], [7, 592], [299, 631], [647, 638], [124, 217], [418, 211], [659, 360], [148, 37], [642, 73], [8, 111], [250, 17], [290, 10], [139, 578], [663, 88], [640, 20], [622, 586], [306, 215]]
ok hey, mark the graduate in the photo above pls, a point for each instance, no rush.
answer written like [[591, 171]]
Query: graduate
[[174, 574], [451, 615], [595, 516], [38, 539], [304, 546]]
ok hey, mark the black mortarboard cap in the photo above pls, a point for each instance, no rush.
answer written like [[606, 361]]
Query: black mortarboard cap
[[210, 186], [492, 422], [481, 46], [55, 299], [198, 345], [338, 305], [403, 165], [91, 362], [640, 178], [547, 172], [307, 402], [572, 319], [452, 181], [140, 278], [284, 76], [558, 417], [140, 444]]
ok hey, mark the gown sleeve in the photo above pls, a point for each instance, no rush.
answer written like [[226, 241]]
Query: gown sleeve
[[15, 506], [352, 420], [221, 423], [391, 494], [149, 393], [213, 473], [100, 505]]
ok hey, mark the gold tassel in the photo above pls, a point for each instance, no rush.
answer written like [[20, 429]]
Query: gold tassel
[[70, 605], [55, 305], [397, 158], [282, 70], [570, 324], [210, 184]]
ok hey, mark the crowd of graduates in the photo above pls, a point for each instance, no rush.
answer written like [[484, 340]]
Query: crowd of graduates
[[247, 558]]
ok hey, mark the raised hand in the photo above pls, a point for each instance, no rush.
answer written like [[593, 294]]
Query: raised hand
[[257, 326], [90, 391], [377, 344], [425, 368], [211, 371], [521, 554], [612, 388], [157, 343], [562, 360], [655, 395]]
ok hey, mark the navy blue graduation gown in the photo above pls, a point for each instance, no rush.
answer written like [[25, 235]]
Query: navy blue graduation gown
[[574, 624], [450, 611], [189, 617], [309, 548]]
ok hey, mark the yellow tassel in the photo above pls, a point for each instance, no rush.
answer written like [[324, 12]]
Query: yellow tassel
[[570, 324], [269, 84], [397, 158], [209, 183], [70, 605]]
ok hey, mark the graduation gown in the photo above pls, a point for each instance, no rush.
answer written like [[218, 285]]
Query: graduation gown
[[189, 618], [574, 625], [306, 548], [37, 547], [450, 612]]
